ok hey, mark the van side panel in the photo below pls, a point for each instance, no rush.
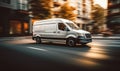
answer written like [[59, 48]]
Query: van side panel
[[49, 30]]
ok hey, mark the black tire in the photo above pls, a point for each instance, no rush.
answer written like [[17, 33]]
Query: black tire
[[38, 40], [71, 42]]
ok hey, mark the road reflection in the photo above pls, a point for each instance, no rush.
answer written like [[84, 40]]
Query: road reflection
[[92, 57], [88, 56], [87, 63], [97, 53]]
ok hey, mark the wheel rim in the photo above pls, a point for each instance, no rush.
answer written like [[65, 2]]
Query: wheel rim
[[37, 40], [71, 42]]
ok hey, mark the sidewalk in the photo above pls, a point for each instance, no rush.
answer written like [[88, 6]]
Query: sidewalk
[[15, 38], [100, 36]]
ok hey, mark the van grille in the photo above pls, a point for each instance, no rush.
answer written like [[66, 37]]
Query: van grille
[[88, 35]]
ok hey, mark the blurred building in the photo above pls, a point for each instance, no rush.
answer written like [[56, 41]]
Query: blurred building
[[113, 18], [83, 10], [14, 17]]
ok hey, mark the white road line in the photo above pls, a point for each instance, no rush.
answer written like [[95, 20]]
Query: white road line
[[37, 49]]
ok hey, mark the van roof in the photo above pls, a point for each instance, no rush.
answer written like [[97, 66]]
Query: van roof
[[52, 19]]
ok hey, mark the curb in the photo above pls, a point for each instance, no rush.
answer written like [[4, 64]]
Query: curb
[[14, 38], [106, 38]]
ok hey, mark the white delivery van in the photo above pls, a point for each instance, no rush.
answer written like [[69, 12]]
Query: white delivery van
[[59, 30]]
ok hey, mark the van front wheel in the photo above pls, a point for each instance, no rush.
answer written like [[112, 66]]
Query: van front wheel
[[71, 42], [38, 40]]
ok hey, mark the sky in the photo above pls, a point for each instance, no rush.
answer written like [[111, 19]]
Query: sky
[[103, 3]]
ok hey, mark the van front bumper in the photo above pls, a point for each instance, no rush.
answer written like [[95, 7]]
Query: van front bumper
[[84, 40]]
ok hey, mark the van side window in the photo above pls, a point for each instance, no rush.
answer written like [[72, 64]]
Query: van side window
[[61, 26]]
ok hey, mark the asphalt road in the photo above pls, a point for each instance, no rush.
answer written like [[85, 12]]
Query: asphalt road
[[25, 55]]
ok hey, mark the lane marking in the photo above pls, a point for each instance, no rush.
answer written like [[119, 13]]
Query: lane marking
[[37, 49]]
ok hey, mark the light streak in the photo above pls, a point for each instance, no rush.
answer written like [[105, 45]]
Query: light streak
[[37, 49]]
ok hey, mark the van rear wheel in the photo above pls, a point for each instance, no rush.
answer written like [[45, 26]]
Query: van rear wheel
[[71, 42], [38, 40]]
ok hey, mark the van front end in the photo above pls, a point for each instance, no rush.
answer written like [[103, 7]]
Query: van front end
[[84, 39]]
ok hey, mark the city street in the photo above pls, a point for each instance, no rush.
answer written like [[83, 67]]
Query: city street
[[23, 54], [96, 22]]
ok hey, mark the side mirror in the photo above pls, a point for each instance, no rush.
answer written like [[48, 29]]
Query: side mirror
[[66, 29]]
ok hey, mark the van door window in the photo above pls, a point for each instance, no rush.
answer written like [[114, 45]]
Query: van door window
[[61, 26]]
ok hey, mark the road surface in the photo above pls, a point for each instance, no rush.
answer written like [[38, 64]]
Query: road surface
[[26, 55]]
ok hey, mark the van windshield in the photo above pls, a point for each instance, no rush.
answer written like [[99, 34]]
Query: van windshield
[[73, 26]]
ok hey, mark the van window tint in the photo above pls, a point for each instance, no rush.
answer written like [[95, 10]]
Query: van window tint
[[73, 26], [61, 26]]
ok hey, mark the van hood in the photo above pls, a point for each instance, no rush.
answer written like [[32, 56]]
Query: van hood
[[81, 31]]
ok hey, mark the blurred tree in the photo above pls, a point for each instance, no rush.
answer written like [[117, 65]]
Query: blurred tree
[[41, 9], [67, 12], [98, 15]]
